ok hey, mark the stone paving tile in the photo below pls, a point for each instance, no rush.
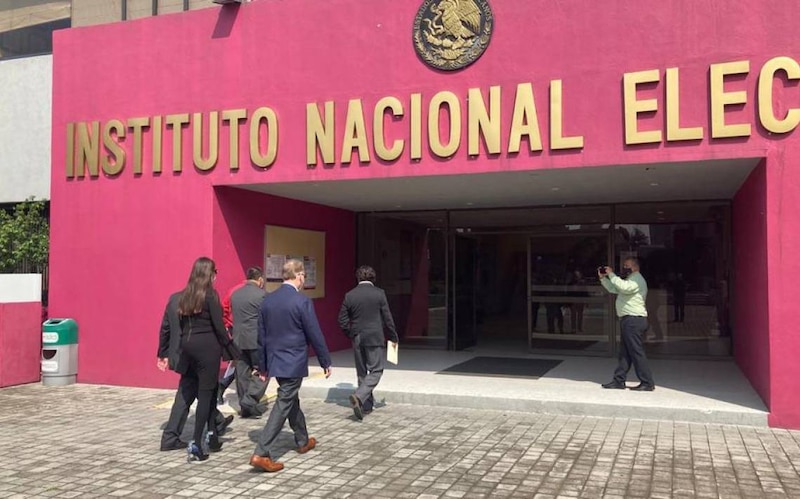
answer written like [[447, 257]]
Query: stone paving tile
[[99, 441]]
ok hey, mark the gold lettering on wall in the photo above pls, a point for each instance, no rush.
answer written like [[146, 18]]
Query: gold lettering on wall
[[158, 133], [766, 98], [70, 150], [95, 147], [720, 99], [450, 101], [319, 134], [234, 116], [88, 149], [137, 125], [176, 122], [634, 107], [381, 150], [355, 133], [674, 130], [416, 126], [524, 121], [201, 163], [481, 123], [557, 138], [114, 162], [268, 117]]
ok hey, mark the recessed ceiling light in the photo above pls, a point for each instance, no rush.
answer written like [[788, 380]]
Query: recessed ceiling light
[[398, 206], [470, 204], [653, 184], [660, 212], [555, 188]]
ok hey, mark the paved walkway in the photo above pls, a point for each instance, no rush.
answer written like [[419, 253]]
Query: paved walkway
[[100, 441], [687, 390]]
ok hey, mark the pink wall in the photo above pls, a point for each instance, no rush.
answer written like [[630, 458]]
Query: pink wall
[[120, 244], [751, 340], [239, 220], [20, 343]]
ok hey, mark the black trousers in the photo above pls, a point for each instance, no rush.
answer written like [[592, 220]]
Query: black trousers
[[554, 315], [286, 406], [184, 398], [250, 389], [369, 369], [631, 350], [680, 310]]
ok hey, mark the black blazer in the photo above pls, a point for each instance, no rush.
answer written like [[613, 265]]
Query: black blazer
[[169, 337], [365, 313]]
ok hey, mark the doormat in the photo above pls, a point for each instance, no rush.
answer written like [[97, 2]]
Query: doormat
[[509, 367]]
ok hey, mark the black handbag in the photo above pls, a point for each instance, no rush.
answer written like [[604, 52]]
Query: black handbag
[[230, 351]]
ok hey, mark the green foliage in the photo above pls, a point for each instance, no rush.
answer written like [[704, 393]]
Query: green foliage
[[24, 238]]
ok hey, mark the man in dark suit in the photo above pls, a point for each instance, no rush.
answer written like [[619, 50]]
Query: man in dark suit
[[245, 304], [364, 316], [169, 355], [287, 324]]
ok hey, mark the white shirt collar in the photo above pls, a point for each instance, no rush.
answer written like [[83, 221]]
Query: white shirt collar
[[365, 282]]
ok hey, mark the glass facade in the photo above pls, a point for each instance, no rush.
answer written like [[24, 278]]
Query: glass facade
[[526, 278]]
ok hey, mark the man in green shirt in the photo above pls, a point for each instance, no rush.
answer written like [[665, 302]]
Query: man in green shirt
[[631, 291]]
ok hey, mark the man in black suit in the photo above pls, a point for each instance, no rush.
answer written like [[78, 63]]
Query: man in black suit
[[245, 305], [363, 317], [169, 355]]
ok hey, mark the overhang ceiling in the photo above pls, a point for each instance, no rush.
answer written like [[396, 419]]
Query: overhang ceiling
[[718, 179], [18, 14]]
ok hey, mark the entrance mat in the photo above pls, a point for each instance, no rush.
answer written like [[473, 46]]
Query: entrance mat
[[509, 367]]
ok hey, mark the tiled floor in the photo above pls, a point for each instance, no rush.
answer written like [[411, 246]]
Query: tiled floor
[[99, 441]]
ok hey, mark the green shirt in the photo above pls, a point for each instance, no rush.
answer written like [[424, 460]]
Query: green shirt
[[631, 293]]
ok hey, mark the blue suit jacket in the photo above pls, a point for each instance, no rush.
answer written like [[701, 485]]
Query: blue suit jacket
[[286, 325]]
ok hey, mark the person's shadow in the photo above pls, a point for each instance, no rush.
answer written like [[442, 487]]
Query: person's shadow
[[284, 443]]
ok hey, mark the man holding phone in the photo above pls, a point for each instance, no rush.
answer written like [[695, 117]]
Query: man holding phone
[[631, 291]]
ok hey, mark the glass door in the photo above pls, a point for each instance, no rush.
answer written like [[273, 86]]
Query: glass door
[[463, 294], [568, 310]]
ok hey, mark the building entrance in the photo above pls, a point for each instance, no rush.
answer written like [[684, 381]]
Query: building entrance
[[525, 279]]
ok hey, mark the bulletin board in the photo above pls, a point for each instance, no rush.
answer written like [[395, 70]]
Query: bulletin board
[[284, 243]]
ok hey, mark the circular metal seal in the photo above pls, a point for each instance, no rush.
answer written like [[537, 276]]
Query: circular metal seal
[[452, 34]]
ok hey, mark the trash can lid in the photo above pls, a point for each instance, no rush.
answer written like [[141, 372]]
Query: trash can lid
[[59, 331]]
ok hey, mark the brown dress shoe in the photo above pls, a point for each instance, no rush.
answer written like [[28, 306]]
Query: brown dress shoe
[[312, 442], [265, 464]]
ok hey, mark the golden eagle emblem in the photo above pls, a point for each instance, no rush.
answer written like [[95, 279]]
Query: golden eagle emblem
[[452, 34]]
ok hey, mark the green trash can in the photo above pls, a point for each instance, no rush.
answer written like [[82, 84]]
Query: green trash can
[[59, 352]]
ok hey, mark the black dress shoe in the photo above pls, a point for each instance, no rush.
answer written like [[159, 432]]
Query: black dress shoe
[[176, 445], [614, 386], [214, 445], [223, 427], [245, 414], [641, 387], [357, 409]]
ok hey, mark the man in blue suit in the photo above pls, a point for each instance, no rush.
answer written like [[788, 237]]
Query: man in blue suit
[[287, 324]]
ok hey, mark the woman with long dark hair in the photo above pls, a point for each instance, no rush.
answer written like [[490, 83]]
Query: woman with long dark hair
[[202, 338]]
